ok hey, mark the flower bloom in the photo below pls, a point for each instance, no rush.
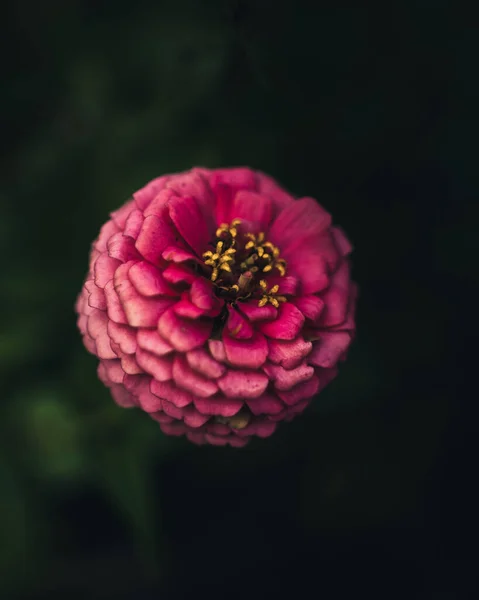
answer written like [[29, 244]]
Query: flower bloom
[[218, 303]]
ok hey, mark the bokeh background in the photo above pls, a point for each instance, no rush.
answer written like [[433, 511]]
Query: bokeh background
[[370, 108]]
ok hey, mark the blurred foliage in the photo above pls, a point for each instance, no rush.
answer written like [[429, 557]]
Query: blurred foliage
[[373, 120]]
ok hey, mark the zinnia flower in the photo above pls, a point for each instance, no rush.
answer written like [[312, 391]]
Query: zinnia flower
[[218, 303]]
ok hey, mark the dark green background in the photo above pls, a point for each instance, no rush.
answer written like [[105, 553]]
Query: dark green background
[[372, 109]]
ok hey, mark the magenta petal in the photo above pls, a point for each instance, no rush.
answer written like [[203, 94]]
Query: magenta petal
[[155, 235], [159, 367], [261, 427], [183, 334], [121, 215], [243, 384], [252, 207], [218, 406], [169, 391], [190, 380], [201, 362], [122, 397], [187, 217], [280, 198], [288, 354], [285, 379], [299, 220], [161, 417], [288, 324], [108, 229], [174, 428], [341, 241], [133, 224], [237, 325], [122, 335], [288, 284], [172, 410], [336, 298], [250, 353], [310, 306], [329, 347], [267, 404], [202, 295], [113, 370], [225, 183], [129, 363], [302, 391], [193, 418], [151, 340], [309, 265], [175, 274], [217, 350], [97, 330], [140, 311], [122, 248], [113, 304], [147, 193], [158, 206], [194, 183], [258, 313], [349, 323], [104, 269], [149, 281], [185, 308], [96, 297]]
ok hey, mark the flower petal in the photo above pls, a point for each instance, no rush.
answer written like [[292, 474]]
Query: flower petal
[[218, 406], [201, 362], [237, 325], [285, 379], [288, 324], [269, 187], [97, 330], [104, 269], [188, 220], [288, 354], [151, 340], [145, 195], [190, 380], [149, 281], [114, 308], [302, 391], [336, 298], [133, 224], [96, 296], [258, 313], [328, 349], [169, 391], [243, 384], [267, 404], [225, 183], [311, 306], [202, 295], [183, 334], [122, 335], [217, 350], [122, 248], [253, 207], [250, 353], [155, 235], [341, 242]]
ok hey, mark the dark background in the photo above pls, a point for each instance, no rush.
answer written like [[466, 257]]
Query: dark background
[[370, 108]]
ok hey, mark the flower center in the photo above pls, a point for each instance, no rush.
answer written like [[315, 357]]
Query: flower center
[[240, 262]]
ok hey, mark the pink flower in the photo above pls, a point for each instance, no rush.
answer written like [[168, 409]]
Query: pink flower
[[218, 303]]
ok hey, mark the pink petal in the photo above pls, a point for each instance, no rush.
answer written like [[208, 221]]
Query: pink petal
[[169, 391], [299, 220], [288, 354], [193, 418], [183, 334], [113, 370], [149, 281], [187, 217], [190, 380], [150, 340], [160, 417], [195, 184], [114, 307], [159, 205], [225, 183], [155, 235], [243, 384], [172, 410], [201, 362], [202, 295], [122, 335], [177, 254], [285, 379], [175, 428], [280, 198], [144, 196], [96, 297], [329, 348], [178, 273], [97, 330], [288, 284], [267, 404], [224, 407], [159, 368], [140, 311], [133, 224], [310, 306], [258, 313], [302, 391], [262, 428], [196, 438], [128, 363], [336, 298], [121, 396], [252, 207], [217, 350], [149, 402], [349, 324], [341, 241], [237, 325], [288, 324], [107, 230], [185, 308], [250, 353], [311, 269], [120, 216], [122, 248], [104, 269]]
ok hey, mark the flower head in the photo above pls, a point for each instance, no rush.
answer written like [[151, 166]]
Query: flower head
[[218, 303]]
